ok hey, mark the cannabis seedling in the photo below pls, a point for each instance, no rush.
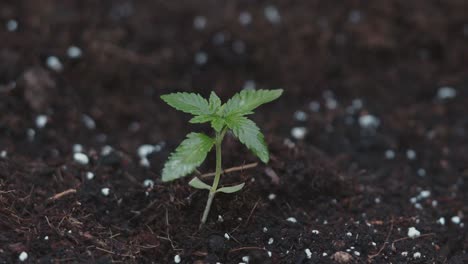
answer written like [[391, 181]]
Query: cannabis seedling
[[230, 116]]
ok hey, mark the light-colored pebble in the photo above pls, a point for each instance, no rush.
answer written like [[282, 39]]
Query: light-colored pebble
[[389, 154], [417, 255], [201, 58], [177, 259], [441, 221], [199, 22], [81, 158], [3, 154], [41, 121], [11, 25], [411, 154], [314, 106], [105, 191], [23, 256], [300, 116], [292, 220], [249, 85], [299, 132], [272, 14], [368, 121], [315, 232], [308, 253], [271, 196], [226, 236], [245, 18], [74, 52], [446, 92], [456, 220], [54, 63], [89, 175], [88, 122], [271, 241], [148, 183], [77, 148], [413, 232]]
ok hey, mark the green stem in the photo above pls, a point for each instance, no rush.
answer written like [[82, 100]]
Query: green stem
[[214, 187]]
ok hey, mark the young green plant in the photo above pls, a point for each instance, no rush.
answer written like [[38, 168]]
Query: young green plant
[[230, 116]]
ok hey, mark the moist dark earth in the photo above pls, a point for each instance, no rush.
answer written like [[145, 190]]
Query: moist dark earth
[[369, 146]]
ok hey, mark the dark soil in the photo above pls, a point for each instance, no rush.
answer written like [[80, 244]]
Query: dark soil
[[346, 195]]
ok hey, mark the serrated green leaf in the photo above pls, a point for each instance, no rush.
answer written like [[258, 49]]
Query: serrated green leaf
[[187, 156], [198, 184], [190, 103], [218, 123], [214, 102], [201, 119], [247, 100], [231, 189], [249, 134]]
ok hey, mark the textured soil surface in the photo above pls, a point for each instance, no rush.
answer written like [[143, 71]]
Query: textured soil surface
[[369, 144]]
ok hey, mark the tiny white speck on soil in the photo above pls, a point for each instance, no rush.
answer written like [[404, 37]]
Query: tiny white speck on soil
[[23, 256], [177, 259], [105, 191], [292, 220], [298, 132], [81, 158], [413, 232], [456, 220], [89, 175], [308, 253]]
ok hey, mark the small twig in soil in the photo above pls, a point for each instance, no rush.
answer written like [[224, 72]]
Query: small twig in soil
[[246, 248], [233, 169], [61, 194], [251, 212], [406, 238], [370, 257]]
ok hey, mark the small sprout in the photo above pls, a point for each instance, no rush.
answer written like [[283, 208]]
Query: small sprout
[[230, 116]]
